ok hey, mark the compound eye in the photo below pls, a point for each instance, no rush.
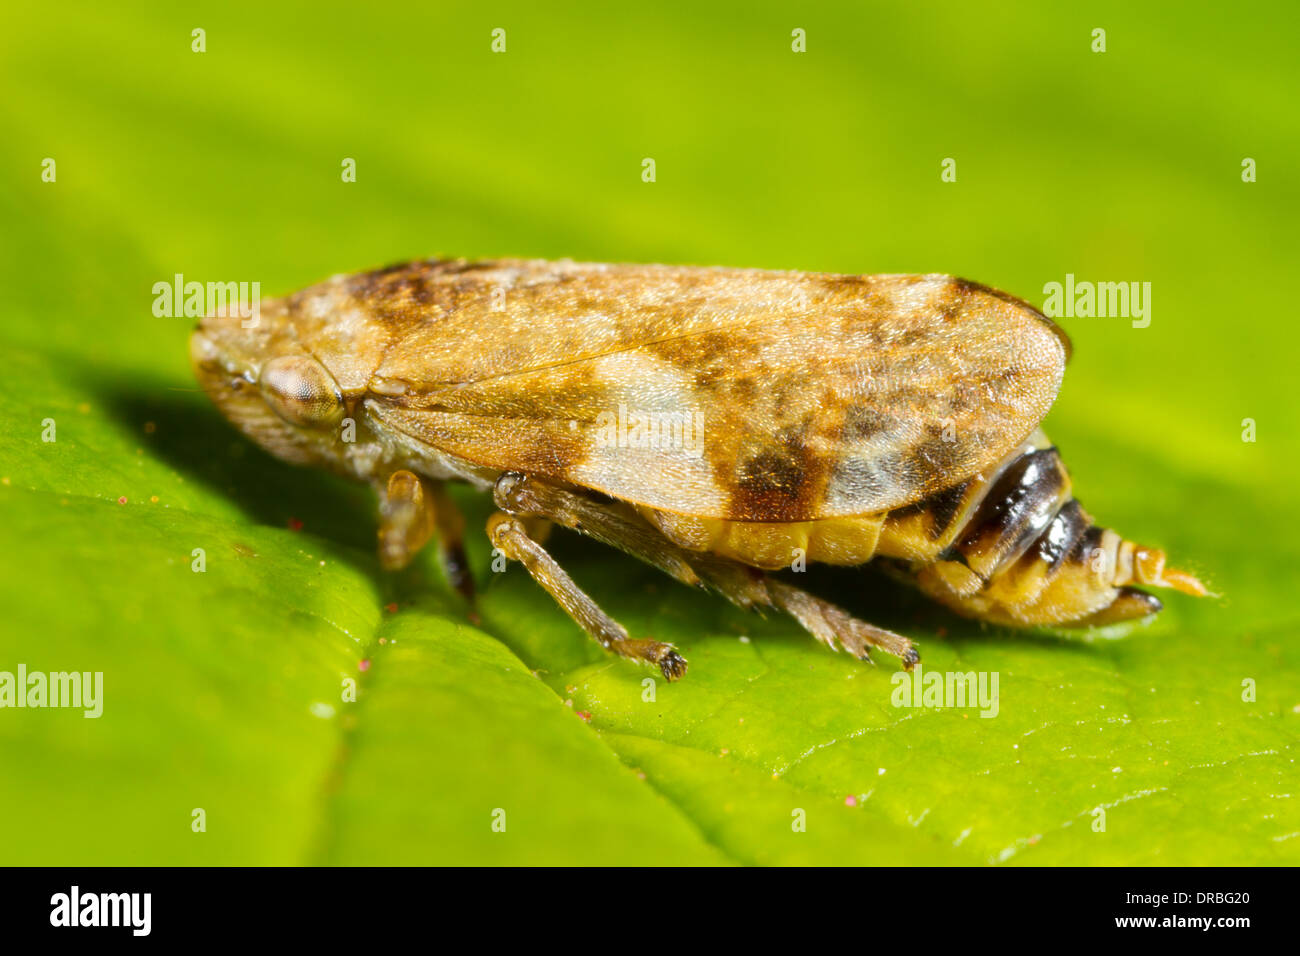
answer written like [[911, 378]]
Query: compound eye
[[301, 391]]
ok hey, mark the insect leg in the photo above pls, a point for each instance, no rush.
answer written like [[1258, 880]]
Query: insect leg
[[411, 510], [619, 526], [610, 523], [508, 533], [406, 518], [829, 623], [451, 541]]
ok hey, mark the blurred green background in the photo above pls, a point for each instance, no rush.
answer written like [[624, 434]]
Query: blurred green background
[[223, 690]]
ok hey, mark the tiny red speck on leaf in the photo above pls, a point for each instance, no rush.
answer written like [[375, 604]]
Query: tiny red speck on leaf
[[295, 524], [363, 665]]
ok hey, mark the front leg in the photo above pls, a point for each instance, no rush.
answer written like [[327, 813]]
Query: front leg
[[411, 509], [508, 533]]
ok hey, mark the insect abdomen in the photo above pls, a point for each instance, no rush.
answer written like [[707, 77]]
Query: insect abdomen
[[1015, 547], [1011, 546]]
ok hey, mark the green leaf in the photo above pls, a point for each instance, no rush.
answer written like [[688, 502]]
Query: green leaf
[[230, 690]]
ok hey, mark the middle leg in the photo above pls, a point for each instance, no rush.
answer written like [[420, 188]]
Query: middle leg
[[508, 533]]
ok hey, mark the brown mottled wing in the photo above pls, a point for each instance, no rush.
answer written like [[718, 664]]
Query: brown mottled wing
[[776, 396]]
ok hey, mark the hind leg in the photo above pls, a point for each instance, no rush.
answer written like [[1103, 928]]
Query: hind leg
[[830, 624]]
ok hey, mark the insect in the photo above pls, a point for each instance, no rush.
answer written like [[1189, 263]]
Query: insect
[[719, 424]]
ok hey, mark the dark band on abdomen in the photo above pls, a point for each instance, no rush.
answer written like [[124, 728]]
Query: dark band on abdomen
[[1011, 544]]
